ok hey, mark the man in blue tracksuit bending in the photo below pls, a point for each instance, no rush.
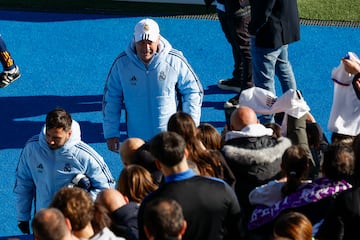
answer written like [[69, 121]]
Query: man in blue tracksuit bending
[[53, 159]]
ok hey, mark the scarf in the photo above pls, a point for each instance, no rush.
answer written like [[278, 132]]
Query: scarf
[[313, 192]]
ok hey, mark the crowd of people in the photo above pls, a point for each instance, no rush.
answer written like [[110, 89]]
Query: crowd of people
[[182, 179]]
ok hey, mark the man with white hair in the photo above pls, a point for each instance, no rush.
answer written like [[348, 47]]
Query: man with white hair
[[151, 81]]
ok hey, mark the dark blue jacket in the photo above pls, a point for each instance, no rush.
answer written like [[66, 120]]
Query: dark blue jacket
[[210, 206], [274, 23]]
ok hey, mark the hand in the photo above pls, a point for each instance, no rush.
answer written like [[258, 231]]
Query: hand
[[82, 181], [351, 66], [24, 227], [113, 144]]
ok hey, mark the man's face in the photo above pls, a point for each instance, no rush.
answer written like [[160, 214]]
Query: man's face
[[57, 137], [146, 49]]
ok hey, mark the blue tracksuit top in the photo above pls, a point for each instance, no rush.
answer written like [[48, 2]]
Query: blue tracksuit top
[[41, 172], [147, 92]]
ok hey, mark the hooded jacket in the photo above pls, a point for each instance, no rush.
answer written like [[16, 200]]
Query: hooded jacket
[[41, 172], [106, 234], [254, 156], [149, 93]]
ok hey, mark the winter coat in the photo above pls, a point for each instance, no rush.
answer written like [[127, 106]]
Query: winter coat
[[41, 172], [253, 160], [274, 23], [149, 93]]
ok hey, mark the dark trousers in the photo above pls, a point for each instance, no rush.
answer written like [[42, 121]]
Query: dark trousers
[[235, 28], [5, 57]]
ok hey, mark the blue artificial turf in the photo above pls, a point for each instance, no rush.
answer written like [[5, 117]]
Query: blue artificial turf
[[65, 58]]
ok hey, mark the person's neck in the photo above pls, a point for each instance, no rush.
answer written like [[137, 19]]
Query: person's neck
[[86, 233], [179, 168]]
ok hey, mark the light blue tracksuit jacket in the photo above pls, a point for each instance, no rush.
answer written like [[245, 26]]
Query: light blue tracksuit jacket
[[41, 172], [148, 92]]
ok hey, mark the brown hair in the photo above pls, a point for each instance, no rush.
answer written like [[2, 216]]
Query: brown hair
[[293, 225], [295, 165], [209, 136], [135, 182], [339, 161], [184, 125], [58, 118], [76, 205]]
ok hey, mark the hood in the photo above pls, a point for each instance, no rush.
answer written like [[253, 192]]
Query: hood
[[74, 138], [251, 130], [164, 48], [248, 157]]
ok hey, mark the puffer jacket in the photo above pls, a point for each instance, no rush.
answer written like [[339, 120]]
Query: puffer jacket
[[41, 172], [254, 156], [149, 93]]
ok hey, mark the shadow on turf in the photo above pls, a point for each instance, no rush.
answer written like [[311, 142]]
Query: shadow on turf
[[16, 129], [25, 16], [67, 10], [17, 125]]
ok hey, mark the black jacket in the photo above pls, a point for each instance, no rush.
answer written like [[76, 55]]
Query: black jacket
[[254, 161], [274, 23], [343, 222], [124, 221], [210, 207]]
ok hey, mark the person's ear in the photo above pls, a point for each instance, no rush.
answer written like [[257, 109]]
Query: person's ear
[[126, 199], [186, 153], [148, 234], [183, 229], [68, 224], [158, 164], [69, 133]]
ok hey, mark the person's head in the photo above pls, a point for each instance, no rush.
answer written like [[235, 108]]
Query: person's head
[[241, 117], [276, 129], [164, 219], [341, 138], [101, 218], [339, 162], [356, 148], [168, 148], [144, 158], [50, 224], [146, 38], [183, 124], [128, 148], [314, 134], [111, 199], [295, 165], [209, 136], [58, 128], [76, 205], [135, 182], [292, 225]]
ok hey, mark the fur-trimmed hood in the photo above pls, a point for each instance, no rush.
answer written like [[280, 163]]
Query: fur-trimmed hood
[[266, 155]]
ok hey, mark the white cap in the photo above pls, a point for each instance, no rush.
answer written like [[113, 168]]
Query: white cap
[[146, 29]]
